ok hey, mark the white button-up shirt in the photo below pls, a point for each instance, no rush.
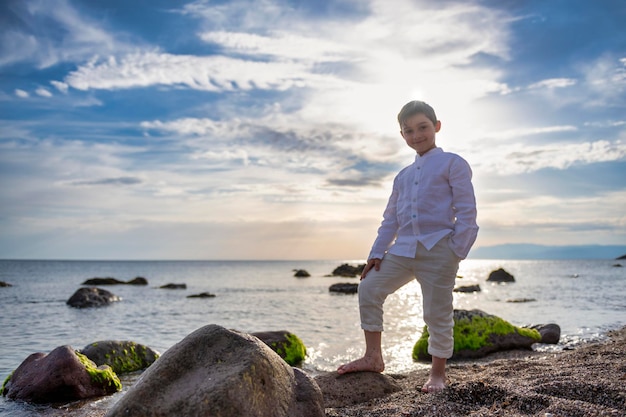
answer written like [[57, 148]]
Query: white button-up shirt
[[432, 198]]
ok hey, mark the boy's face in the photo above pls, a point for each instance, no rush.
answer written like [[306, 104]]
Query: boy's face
[[419, 133]]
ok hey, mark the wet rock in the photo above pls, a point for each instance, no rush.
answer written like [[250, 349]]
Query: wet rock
[[5, 284], [91, 297], [500, 275], [115, 281], [60, 376], [550, 333], [477, 334], [344, 288], [202, 295], [174, 286], [220, 372], [354, 388], [121, 356], [287, 345], [468, 288], [301, 273], [347, 270]]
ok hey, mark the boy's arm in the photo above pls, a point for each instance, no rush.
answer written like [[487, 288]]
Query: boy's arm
[[464, 203], [388, 227]]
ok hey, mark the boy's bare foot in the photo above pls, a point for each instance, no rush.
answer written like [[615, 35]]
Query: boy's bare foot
[[362, 365], [434, 385]]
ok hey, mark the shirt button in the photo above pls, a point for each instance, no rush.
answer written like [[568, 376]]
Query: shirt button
[[414, 216]]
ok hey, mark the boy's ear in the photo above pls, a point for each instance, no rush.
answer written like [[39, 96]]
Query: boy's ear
[[438, 126]]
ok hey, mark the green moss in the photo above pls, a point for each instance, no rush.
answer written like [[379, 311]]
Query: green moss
[[293, 351], [103, 375], [130, 359], [474, 333], [6, 381]]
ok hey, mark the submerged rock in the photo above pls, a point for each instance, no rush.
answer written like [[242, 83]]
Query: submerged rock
[[91, 297], [347, 270], [219, 372], [477, 334], [500, 275], [202, 295], [468, 288], [174, 286], [121, 356], [344, 288], [60, 376], [115, 281]]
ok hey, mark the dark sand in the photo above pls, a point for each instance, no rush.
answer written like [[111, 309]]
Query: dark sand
[[587, 381]]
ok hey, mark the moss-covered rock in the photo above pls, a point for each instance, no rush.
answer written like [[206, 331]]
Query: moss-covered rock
[[477, 334], [286, 344], [121, 356], [102, 375]]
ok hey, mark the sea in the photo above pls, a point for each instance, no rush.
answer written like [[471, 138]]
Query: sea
[[586, 298]]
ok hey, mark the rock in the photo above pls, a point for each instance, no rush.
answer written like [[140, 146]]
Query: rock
[[477, 334], [468, 288], [5, 284], [347, 270], [617, 265], [121, 356], [301, 273], [521, 300], [550, 333], [103, 281], [344, 287], [91, 297], [354, 388], [202, 295], [219, 372], [500, 275], [115, 281], [287, 345], [138, 281], [60, 376], [174, 286]]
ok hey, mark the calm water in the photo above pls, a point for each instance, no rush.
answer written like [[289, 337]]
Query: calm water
[[586, 298]]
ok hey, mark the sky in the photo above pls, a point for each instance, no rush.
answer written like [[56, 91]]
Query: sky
[[266, 129]]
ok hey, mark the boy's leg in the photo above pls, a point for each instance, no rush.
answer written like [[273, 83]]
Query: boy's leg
[[436, 271], [394, 272]]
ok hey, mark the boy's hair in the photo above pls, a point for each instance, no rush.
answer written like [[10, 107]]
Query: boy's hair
[[416, 107]]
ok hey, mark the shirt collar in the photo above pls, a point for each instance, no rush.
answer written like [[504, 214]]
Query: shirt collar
[[429, 153]]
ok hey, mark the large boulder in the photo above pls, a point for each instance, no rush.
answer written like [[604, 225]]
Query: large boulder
[[287, 345], [59, 376], [91, 297], [221, 373], [121, 356], [354, 388], [477, 334]]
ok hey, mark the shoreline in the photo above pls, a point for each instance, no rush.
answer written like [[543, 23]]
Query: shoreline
[[587, 381]]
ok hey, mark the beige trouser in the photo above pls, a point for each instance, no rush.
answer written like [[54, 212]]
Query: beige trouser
[[435, 270]]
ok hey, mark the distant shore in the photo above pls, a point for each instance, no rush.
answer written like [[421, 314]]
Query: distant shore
[[587, 381]]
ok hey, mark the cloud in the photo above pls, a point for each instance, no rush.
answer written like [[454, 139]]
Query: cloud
[[49, 34], [522, 158], [210, 73], [21, 93], [109, 181], [43, 92]]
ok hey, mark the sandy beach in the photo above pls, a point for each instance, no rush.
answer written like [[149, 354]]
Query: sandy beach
[[587, 381]]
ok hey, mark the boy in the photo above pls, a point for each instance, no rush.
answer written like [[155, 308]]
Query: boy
[[428, 227]]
